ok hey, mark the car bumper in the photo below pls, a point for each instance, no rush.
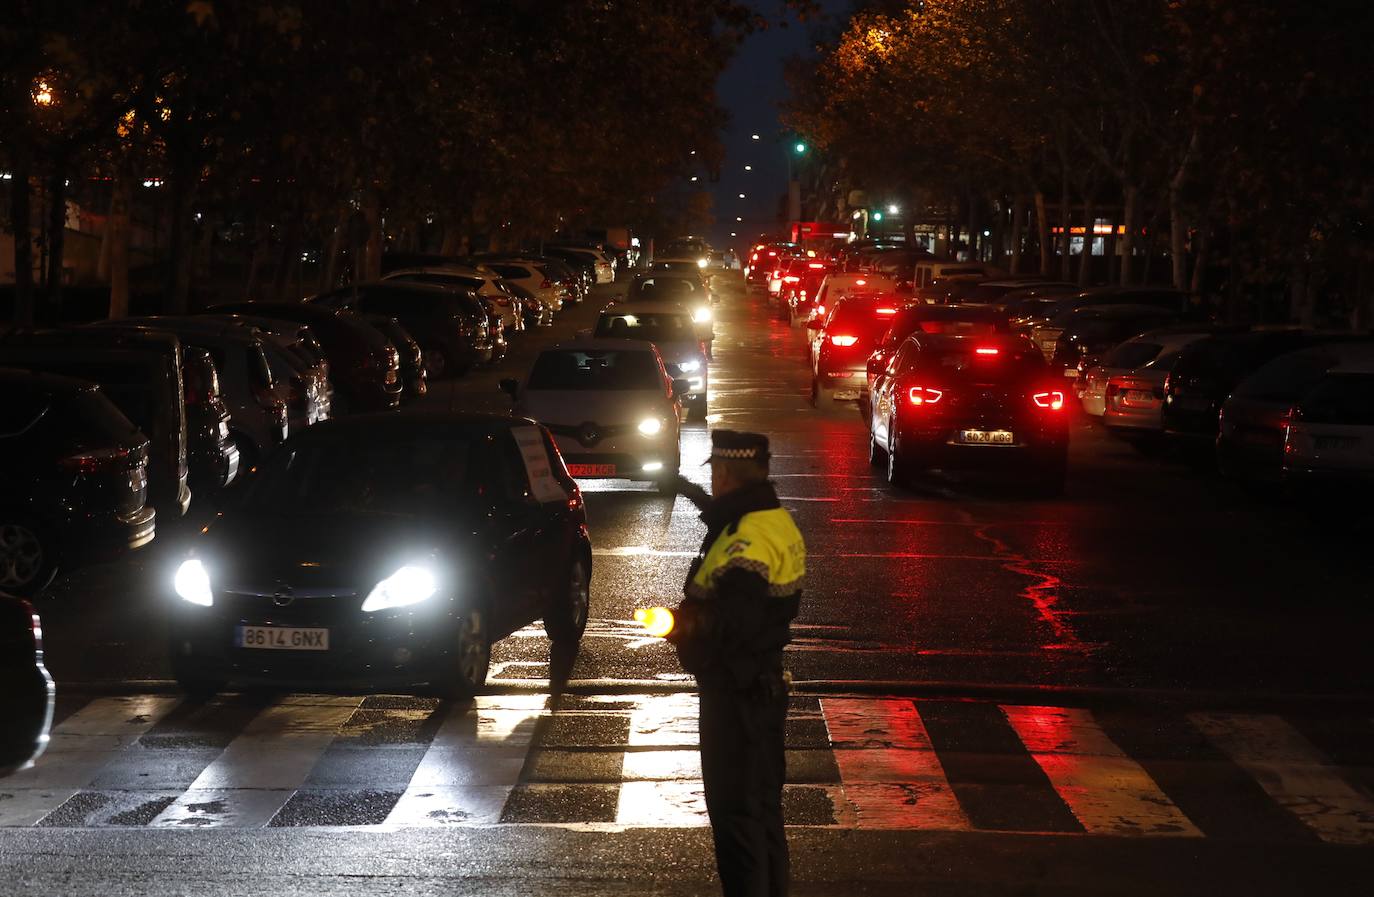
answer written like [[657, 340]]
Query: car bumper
[[28, 708], [624, 456], [848, 385], [366, 650], [938, 449]]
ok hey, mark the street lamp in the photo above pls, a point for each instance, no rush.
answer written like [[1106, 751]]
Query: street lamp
[[42, 94], [893, 209], [748, 168], [754, 136], [741, 196]]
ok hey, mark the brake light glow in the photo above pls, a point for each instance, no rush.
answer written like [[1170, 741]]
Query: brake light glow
[[95, 461], [820, 309], [843, 340], [816, 266], [772, 255], [986, 350], [860, 282], [923, 395], [886, 311], [1053, 400], [791, 278]]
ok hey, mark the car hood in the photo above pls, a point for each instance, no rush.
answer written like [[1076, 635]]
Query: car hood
[[335, 551], [574, 407]]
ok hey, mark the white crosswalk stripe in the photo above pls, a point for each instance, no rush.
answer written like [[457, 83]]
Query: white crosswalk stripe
[[632, 761]]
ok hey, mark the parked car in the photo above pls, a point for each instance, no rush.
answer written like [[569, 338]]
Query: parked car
[[26, 701], [537, 312], [671, 329], [582, 264], [364, 367], [1089, 333], [450, 323], [384, 551], [1047, 324], [413, 374], [532, 276], [83, 494], [211, 453], [258, 406], [929, 273], [1208, 370], [306, 404], [479, 280], [602, 269], [841, 344], [611, 406], [1250, 431], [987, 403], [142, 374], [1328, 440], [1126, 387]]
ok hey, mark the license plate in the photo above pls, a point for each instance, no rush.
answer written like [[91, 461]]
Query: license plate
[[1335, 443], [1138, 395], [986, 437], [282, 638], [1071, 372], [842, 394], [592, 470]]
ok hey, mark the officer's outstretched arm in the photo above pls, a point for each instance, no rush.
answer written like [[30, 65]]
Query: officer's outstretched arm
[[692, 492]]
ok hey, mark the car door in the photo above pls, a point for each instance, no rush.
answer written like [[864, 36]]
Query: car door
[[523, 539]]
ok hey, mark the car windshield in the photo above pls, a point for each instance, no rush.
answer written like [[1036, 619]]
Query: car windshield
[[962, 361], [656, 327], [664, 287], [397, 476], [595, 369]]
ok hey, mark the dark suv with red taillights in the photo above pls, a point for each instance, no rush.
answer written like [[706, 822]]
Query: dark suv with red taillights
[[842, 342], [950, 401]]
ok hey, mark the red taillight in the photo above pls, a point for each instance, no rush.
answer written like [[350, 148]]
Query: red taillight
[[820, 309], [985, 350], [844, 340], [791, 278], [860, 282], [886, 311], [816, 266], [95, 461], [923, 395], [772, 255], [1053, 400]]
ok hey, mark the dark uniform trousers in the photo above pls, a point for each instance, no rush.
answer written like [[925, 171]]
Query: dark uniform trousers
[[743, 767]]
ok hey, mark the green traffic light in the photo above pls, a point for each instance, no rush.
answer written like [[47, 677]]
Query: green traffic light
[[800, 147], [876, 216]]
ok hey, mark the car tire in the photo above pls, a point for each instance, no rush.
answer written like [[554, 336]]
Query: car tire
[[28, 556], [566, 619], [898, 469], [467, 667], [877, 455]]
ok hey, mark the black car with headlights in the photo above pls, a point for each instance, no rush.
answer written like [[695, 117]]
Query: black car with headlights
[[26, 701], [384, 552]]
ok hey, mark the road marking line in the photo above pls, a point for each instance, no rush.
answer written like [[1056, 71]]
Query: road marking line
[[1107, 791], [889, 771], [1293, 772], [79, 748], [472, 764], [662, 787], [258, 771]]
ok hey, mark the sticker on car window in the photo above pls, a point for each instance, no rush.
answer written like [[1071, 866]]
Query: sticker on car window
[[543, 484]]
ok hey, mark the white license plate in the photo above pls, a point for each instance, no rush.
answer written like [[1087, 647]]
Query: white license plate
[[1138, 395], [282, 638], [986, 437], [1071, 373], [592, 470]]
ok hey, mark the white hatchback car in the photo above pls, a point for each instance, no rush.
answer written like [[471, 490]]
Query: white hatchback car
[[1329, 437], [481, 280], [611, 406]]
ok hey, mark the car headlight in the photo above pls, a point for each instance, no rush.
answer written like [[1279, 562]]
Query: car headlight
[[688, 366], [701, 315], [650, 426], [408, 585], [701, 263], [192, 583]]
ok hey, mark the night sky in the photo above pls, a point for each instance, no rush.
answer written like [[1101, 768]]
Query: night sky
[[750, 89]]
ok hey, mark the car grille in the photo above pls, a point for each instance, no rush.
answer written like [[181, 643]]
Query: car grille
[[589, 433]]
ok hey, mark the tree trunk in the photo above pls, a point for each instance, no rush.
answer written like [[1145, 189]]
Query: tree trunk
[[183, 186], [997, 242], [21, 225], [329, 269], [1018, 212], [57, 232], [117, 227], [1233, 266], [1065, 224], [1085, 261], [1042, 223], [1129, 214], [1178, 236], [260, 248], [1196, 285], [1109, 244]]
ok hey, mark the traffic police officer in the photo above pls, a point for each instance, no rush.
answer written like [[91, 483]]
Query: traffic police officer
[[742, 592]]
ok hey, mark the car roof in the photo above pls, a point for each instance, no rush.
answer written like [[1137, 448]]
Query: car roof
[[603, 344], [206, 327], [647, 306], [18, 377]]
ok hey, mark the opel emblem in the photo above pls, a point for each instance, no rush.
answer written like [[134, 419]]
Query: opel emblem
[[283, 595], [588, 434]]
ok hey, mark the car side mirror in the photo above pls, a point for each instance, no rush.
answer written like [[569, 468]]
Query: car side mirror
[[510, 387], [681, 388]]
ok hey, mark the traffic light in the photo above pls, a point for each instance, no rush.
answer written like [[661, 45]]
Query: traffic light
[[876, 215], [799, 147]]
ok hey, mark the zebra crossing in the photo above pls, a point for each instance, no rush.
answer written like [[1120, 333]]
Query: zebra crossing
[[628, 761]]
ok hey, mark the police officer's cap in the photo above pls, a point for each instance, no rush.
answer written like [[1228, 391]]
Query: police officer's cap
[[734, 445]]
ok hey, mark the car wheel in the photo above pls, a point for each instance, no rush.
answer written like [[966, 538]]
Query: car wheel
[[896, 464], [567, 617], [28, 557], [438, 363], [467, 667]]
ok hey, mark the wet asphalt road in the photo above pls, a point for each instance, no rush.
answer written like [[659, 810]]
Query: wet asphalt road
[[1148, 574], [1150, 590]]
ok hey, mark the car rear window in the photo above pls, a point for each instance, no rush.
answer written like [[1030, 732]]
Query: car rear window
[[1341, 399], [589, 369], [867, 315], [664, 287], [1132, 355], [87, 417], [962, 362]]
